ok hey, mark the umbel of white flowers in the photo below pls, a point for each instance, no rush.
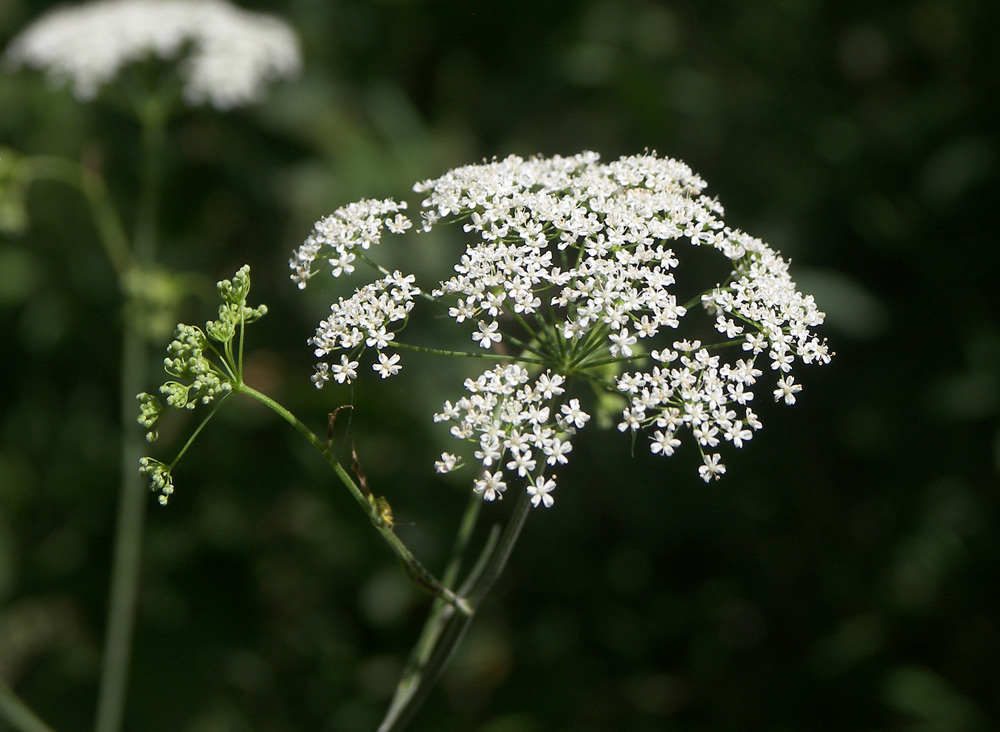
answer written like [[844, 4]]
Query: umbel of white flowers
[[229, 55], [570, 274]]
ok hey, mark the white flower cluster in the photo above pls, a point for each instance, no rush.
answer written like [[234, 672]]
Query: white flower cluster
[[231, 54], [616, 274], [515, 427], [572, 263], [364, 319], [358, 224]]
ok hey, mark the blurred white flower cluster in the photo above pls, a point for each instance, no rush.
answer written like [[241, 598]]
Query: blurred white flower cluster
[[227, 55], [571, 273]]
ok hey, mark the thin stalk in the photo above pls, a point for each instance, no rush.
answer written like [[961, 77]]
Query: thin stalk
[[489, 355], [587, 348], [154, 136], [431, 631], [527, 348], [197, 431], [414, 568], [126, 562], [17, 713]]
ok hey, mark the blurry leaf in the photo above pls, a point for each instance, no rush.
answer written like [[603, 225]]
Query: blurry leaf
[[922, 693], [854, 640], [13, 187], [951, 171], [848, 306], [938, 545], [18, 275], [974, 392]]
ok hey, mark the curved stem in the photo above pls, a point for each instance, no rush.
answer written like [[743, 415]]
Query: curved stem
[[414, 568]]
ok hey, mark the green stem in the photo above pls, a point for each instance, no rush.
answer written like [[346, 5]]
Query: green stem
[[153, 117], [448, 628], [197, 431], [131, 512], [433, 626], [594, 342], [417, 572], [17, 713], [489, 355], [126, 562]]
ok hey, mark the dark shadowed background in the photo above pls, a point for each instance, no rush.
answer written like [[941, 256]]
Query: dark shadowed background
[[842, 576]]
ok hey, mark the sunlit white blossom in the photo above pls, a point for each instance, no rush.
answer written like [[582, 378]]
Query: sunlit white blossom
[[570, 267], [541, 492]]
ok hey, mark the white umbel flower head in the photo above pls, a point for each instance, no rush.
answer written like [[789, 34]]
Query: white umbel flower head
[[229, 55], [574, 271]]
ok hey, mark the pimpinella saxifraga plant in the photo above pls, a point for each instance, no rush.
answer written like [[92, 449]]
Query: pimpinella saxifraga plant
[[570, 284]]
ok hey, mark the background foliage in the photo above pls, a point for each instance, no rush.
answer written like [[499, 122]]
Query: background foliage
[[840, 577]]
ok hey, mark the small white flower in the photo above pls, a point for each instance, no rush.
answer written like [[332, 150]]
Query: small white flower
[[787, 389], [487, 334], [712, 469], [398, 224], [321, 376], [557, 450], [664, 443], [737, 434], [345, 371], [621, 343], [574, 415], [631, 419], [550, 385], [541, 492], [447, 463], [461, 311], [522, 462], [387, 365], [447, 414], [491, 486]]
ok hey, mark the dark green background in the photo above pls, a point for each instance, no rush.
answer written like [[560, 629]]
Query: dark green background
[[841, 576]]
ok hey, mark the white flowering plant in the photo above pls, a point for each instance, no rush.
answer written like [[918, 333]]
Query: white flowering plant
[[227, 56], [150, 59], [571, 276]]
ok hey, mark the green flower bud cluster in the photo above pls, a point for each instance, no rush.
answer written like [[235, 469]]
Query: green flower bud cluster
[[160, 479], [234, 311], [187, 360], [204, 366], [200, 380]]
